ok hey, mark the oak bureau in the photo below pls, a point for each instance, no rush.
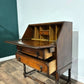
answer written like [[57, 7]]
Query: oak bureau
[[46, 47]]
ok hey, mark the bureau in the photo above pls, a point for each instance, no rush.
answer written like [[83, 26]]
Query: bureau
[[46, 47]]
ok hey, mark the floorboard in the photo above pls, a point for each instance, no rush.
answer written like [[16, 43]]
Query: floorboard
[[11, 72]]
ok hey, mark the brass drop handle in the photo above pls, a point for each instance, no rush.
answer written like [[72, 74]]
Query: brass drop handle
[[37, 54], [19, 59], [41, 68]]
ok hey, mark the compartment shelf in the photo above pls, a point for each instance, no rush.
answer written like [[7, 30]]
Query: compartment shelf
[[43, 40], [46, 33]]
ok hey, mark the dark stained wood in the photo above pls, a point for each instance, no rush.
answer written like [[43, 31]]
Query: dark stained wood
[[29, 33], [44, 41], [39, 53], [49, 23], [32, 44], [64, 46]]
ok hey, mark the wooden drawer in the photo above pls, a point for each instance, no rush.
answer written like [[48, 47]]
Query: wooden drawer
[[44, 32], [39, 53], [48, 66]]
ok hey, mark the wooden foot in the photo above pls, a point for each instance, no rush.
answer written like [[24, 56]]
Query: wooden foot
[[58, 82]]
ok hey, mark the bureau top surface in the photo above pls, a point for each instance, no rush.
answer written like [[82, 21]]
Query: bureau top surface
[[33, 43], [49, 23]]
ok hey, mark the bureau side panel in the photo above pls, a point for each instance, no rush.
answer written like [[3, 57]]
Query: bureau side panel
[[29, 33], [64, 46]]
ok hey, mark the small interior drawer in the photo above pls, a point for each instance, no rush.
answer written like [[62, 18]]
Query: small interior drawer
[[48, 66], [39, 53], [44, 32]]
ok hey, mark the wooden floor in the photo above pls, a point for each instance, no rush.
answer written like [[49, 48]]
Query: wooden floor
[[11, 72]]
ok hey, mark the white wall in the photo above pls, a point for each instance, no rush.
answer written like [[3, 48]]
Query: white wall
[[36, 11]]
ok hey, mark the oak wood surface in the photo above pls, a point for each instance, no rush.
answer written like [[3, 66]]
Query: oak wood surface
[[47, 66], [39, 53], [56, 35], [32, 44], [44, 32]]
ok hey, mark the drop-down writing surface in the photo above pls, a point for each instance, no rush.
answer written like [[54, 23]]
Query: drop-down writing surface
[[33, 43]]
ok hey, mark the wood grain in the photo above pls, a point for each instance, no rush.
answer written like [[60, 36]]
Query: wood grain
[[47, 66], [16, 74], [43, 37]]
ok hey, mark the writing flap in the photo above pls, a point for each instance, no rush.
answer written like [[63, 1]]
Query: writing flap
[[32, 44]]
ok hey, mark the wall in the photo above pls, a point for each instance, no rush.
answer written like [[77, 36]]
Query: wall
[[36, 11], [8, 27]]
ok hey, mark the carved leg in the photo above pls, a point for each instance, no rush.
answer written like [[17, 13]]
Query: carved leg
[[24, 70]]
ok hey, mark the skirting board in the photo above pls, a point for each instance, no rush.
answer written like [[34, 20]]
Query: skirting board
[[81, 79], [7, 58], [78, 77]]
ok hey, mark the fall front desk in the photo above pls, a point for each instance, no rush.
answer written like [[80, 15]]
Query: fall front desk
[[46, 47]]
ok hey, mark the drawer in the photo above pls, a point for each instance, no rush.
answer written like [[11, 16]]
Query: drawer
[[48, 66], [39, 53], [44, 32]]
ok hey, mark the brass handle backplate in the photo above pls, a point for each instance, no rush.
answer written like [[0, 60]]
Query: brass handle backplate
[[19, 59], [41, 68]]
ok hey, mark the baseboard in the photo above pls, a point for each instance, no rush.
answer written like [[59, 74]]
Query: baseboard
[[7, 58], [76, 77], [81, 79]]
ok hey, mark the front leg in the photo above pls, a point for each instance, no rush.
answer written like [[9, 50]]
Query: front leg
[[57, 78], [24, 70], [69, 76]]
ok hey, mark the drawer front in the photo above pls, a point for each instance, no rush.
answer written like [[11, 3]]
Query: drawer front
[[36, 63], [32, 62], [39, 53], [30, 51], [44, 32]]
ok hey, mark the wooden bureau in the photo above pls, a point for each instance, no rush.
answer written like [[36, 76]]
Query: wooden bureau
[[46, 47]]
